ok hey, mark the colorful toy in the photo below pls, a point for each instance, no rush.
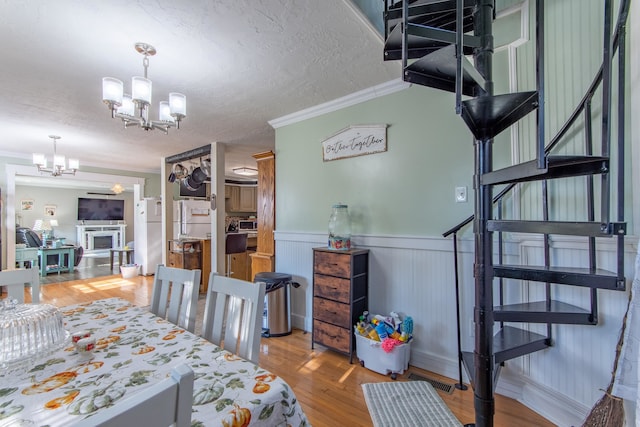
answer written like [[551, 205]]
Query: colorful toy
[[389, 344]]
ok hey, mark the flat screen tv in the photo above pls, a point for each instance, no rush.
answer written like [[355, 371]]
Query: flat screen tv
[[100, 209]]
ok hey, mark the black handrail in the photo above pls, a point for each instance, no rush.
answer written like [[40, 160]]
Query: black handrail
[[622, 17]]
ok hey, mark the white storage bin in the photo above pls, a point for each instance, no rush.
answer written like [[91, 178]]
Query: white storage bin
[[373, 357], [129, 271]]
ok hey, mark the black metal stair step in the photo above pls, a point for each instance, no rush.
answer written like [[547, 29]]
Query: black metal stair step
[[428, 8], [556, 167], [566, 228], [487, 116], [468, 361], [585, 277], [433, 13], [442, 35], [541, 312], [511, 342], [438, 70], [508, 343], [417, 46]]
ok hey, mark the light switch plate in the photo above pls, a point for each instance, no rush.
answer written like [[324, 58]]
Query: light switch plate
[[461, 194]]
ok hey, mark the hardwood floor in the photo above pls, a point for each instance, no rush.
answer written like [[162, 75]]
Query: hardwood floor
[[89, 267], [327, 386]]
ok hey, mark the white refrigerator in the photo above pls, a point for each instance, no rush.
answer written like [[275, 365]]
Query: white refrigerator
[[148, 235], [191, 218]]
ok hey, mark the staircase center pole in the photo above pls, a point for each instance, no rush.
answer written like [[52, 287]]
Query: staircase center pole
[[484, 361]]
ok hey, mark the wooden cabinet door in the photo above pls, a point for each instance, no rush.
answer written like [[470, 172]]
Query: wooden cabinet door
[[239, 266], [233, 199], [174, 260], [248, 199]]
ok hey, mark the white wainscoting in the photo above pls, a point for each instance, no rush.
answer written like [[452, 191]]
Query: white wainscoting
[[415, 276]]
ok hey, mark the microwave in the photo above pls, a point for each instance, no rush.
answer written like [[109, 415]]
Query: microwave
[[247, 224]]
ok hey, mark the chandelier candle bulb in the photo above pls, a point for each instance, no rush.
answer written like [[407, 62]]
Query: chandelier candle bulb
[[39, 159], [112, 90], [58, 161], [178, 104], [127, 108], [164, 112], [141, 90]]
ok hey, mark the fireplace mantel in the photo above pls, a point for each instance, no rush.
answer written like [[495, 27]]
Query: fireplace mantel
[[99, 238]]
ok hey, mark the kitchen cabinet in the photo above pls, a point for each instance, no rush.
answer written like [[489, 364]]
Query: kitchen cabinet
[[232, 198], [240, 198], [340, 296], [239, 263], [248, 201], [191, 255], [185, 254]]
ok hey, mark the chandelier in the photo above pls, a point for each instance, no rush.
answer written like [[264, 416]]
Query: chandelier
[[59, 165], [134, 109]]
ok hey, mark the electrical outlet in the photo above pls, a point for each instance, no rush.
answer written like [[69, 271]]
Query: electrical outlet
[[461, 194]]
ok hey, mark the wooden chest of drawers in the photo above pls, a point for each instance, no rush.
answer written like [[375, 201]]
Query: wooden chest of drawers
[[340, 295]]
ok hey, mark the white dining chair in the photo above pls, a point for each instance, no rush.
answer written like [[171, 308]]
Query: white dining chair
[[15, 280], [167, 403], [233, 315], [175, 295]]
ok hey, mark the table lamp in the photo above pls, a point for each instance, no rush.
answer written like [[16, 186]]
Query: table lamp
[[52, 223], [42, 226]]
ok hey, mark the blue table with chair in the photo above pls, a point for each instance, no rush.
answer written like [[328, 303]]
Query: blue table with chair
[[64, 261]]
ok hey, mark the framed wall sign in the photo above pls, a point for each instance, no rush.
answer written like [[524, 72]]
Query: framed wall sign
[[355, 140], [49, 210], [26, 204]]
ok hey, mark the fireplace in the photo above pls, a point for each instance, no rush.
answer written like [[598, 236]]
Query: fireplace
[[100, 238], [102, 242]]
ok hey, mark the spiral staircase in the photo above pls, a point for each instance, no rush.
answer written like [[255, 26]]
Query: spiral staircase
[[433, 39]]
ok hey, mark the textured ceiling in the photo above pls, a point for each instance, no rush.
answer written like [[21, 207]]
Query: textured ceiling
[[240, 63]]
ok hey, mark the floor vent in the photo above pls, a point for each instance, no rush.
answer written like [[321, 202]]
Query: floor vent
[[438, 385]]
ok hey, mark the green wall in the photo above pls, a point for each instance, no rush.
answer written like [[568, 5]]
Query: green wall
[[407, 190]]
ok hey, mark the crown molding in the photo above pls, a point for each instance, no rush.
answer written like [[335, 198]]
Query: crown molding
[[340, 103]]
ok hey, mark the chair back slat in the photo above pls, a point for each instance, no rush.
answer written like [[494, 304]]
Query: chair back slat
[[15, 280], [175, 295], [233, 315]]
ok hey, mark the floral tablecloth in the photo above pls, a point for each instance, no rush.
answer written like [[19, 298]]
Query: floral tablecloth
[[135, 349]]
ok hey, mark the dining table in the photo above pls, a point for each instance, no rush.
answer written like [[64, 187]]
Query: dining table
[[135, 349]]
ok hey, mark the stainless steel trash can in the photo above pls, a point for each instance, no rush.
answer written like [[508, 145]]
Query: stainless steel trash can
[[276, 319]]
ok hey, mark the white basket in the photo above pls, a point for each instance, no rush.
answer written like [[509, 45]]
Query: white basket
[[129, 271], [373, 357]]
